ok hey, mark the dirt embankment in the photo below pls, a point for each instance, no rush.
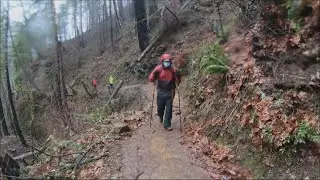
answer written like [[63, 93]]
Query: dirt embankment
[[265, 109]]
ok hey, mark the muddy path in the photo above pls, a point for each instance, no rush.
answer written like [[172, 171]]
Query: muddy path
[[154, 153]]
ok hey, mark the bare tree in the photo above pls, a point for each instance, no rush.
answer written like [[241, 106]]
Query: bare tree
[[121, 11], [81, 26], [110, 19], [6, 60], [118, 23], [74, 15], [142, 27]]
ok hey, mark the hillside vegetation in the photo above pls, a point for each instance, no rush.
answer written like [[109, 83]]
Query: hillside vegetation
[[249, 93]]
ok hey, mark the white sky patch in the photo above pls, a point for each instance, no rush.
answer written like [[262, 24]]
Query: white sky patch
[[16, 11]]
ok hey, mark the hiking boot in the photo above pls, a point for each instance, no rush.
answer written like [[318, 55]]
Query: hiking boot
[[161, 120], [169, 129]]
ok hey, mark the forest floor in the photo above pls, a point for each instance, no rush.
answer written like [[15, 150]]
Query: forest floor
[[154, 153], [125, 146]]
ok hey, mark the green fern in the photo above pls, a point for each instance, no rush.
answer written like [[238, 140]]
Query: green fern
[[214, 61], [216, 69], [306, 133]]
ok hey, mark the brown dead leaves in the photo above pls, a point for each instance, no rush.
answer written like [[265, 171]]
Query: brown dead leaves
[[217, 157], [275, 120]]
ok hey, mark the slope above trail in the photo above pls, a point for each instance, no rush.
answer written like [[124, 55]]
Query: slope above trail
[[154, 153]]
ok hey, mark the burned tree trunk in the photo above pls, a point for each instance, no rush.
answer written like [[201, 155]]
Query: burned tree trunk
[[5, 105], [60, 82], [6, 59], [4, 127], [142, 27]]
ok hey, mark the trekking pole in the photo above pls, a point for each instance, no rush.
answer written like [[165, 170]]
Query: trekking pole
[[153, 91], [179, 110]]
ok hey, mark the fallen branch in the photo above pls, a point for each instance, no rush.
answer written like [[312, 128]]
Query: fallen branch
[[83, 155], [60, 155], [26, 155], [138, 175], [72, 89], [178, 21], [87, 161], [85, 87]]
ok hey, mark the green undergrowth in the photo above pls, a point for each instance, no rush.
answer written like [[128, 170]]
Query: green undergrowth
[[266, 162], [214, 61]]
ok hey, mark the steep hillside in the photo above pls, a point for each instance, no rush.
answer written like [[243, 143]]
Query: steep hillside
[[249, 98], [265, 109]]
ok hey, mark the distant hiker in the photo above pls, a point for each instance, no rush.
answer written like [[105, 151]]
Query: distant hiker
[[167, 77], [111, 84], [94, 83]]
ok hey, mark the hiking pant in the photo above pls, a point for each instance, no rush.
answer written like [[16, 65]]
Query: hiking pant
[[110, 88], [164, 103]]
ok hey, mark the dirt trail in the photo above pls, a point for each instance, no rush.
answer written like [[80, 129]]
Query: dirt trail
[[154, 153]]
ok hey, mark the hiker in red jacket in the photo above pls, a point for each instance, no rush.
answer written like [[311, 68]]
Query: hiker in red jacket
[[167, 77]]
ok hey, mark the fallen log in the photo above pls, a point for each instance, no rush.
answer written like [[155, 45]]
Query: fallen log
[[308, 87], [115, 92], [168, 21]]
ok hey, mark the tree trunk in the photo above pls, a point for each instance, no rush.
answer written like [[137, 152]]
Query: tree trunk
[[121, 11], [218, 3], [75, 4], [81, 28], [5, 105], [140, 12], [60, 82], [101, 34], [4, 127], [152, 6], [118, 23], [111, 26], [6, 59]]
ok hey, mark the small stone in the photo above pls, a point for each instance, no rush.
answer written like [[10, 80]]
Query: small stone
[[288, 163], [267, 163], [120, 127]]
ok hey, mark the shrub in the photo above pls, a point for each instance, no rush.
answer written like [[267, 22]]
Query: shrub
[[306, 133], [214, 60], [303, 135]]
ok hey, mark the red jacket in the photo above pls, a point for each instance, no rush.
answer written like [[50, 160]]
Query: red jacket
[[167, 78], [94, 83]]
